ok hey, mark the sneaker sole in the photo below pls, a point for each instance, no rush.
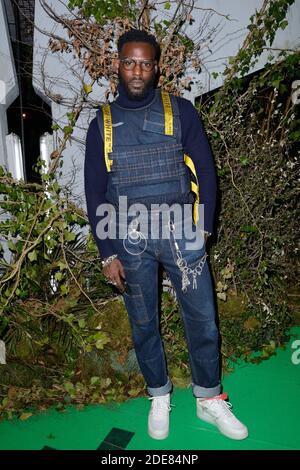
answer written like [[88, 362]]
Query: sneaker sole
[[158, 436], [231, 435]]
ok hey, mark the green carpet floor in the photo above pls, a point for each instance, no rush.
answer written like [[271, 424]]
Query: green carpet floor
[[265, 397]]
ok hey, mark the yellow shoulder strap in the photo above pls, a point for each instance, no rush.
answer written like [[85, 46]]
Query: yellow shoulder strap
[[187, 160], [107, 135], [194, 186], [168, 112]]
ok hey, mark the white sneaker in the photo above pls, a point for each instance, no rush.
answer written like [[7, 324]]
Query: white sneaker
[[158, 419], [217, 411]]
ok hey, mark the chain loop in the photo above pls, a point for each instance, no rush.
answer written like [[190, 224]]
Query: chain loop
[[183, 266]]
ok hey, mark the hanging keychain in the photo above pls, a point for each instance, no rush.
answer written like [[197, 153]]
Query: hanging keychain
[[183, 266]]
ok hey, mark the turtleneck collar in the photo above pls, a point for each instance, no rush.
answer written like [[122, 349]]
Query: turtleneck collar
[[125, 102]]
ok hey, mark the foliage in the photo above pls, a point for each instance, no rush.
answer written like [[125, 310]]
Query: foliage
[[254, 138], [92, 36], [263, 27], [104, 10]]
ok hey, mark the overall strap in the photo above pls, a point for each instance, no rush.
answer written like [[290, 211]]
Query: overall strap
[[168, 112], [107, 121], [194, 186], [187, 159]]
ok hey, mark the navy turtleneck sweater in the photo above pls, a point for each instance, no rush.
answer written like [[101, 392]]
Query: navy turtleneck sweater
[[194, 142]]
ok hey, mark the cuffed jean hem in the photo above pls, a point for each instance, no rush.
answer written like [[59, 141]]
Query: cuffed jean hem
[[159, 391], [202, 392]]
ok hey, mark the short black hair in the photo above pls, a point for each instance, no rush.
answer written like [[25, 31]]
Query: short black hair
[[139, 35]]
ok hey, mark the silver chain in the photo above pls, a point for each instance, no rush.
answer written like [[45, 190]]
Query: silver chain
[[183, 266]]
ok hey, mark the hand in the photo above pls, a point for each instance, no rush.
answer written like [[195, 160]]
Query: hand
[[115, 273]]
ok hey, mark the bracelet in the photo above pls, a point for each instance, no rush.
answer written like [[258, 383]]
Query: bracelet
[[205, 232], [108, 260]]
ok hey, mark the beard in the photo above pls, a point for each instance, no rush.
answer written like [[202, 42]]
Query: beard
[[138, 95]]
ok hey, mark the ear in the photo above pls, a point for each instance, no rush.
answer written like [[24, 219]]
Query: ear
[[115, 64]]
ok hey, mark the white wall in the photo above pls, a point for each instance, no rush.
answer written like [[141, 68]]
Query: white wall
[[8, 93], [230, 35], [8, 82]]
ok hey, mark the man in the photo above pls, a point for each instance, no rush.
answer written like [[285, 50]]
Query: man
[[150, 148]]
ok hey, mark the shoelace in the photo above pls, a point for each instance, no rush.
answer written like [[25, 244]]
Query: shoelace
[[217, 403], [160, 404]]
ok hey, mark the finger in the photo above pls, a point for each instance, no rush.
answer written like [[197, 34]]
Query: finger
[[120, 283], [122, 272], [120, 269]]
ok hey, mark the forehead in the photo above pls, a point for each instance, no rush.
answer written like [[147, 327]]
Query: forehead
[[138, 49]]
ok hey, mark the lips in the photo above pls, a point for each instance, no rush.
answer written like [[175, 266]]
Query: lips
[[137, 83]]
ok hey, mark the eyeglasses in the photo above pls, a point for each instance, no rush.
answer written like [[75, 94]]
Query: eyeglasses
[[130, 64]]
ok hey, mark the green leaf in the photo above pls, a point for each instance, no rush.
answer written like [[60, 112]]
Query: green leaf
[[69, 236], [248, 228], [95, 380], [61, 265], [64, 289], [69, 387], [100, 343], [81, 323], [55, 187], [244, 160], [58, 276], [283, 24], [68, 130], [5, 402], [167, 6], [222, 295], [87, 88], [11, 245], [32, 255], [133, 392], [25, 416], [105, 383], [294, 136], [276, 83]]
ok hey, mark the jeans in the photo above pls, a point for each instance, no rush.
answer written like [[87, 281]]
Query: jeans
[[141, 261]]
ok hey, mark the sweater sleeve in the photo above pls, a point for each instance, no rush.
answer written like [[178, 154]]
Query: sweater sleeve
[[195, 144], [95, 183]]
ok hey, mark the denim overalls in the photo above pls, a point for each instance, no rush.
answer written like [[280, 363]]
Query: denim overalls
[[148, 168]]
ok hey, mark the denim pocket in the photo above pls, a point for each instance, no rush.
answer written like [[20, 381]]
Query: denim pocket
[[155, 122], [135, 304], [131, 262]]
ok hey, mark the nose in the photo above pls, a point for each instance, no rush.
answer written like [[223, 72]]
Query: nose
[[137, 69]]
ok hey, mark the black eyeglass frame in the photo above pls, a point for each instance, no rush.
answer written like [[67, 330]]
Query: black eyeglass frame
[[138, 62]]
